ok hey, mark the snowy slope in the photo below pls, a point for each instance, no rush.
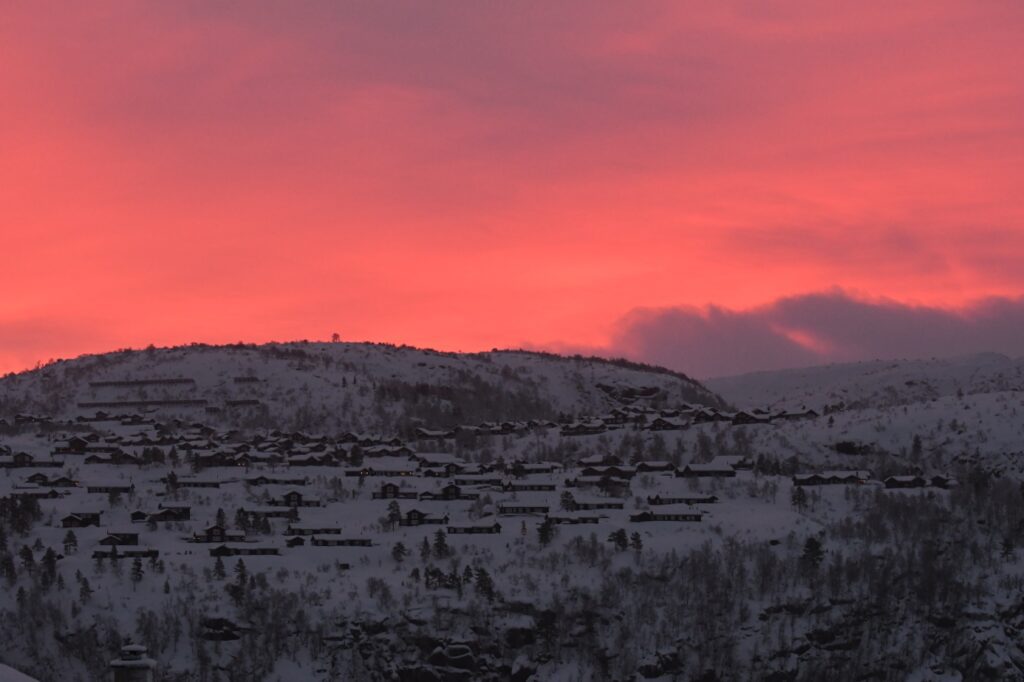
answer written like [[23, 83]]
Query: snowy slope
[[342, 386], [873, 384]]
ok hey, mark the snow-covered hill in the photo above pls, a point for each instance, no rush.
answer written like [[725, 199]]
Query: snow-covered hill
[[333, 386], [877, 384]]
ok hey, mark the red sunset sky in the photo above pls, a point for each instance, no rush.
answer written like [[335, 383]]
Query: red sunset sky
[[571, 175]]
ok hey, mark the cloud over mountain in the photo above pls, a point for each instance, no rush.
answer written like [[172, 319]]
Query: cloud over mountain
[[813, 329]]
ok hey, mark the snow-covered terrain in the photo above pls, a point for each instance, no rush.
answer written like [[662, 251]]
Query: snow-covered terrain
[[636, 533], [880, 383], [341, 386]]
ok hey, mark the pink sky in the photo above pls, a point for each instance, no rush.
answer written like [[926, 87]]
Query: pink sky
[[469, 175]]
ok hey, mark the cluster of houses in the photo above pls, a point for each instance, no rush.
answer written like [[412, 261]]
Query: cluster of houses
[[631, 415], [592, 490]]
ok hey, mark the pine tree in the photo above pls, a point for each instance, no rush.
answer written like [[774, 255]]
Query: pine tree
[[394, 514], [811, 558], [425, 550], [546, 532], [70, 542], [484, 584], [218, 569], [241, 573], [441, 549], [619, 539], [28, 559], [637, 543], [137, 572], [84, 591], [399, 552], [798, 498]]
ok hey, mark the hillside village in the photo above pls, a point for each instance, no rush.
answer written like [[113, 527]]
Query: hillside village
[[511, 549]]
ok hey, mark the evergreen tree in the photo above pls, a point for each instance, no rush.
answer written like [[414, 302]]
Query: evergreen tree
[[394, 514], [399, 552], [84, 591], [425, 550], [798, 498], [28, 559], [241, 573], [619, 540], [241, 520], [546, 532], [49, 566], [636, 542], [484, 584], [811, 558], [137, 572], [218, 569], [441, 549], [70, 542]]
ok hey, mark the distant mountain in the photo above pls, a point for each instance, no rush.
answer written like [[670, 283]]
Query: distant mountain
[[328, 387], [880, 383]]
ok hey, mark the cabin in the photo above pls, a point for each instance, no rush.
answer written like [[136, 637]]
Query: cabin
[[743, 418], [587, 428], [415, 517], [709, 470], [294, 498], [448, 493], [655, 467], [36, 493], [266, 480], [75, 445], [340, 542], [177, 512], [573, 519], [687, 514], [295, 541], [81, 520], [243, 550], [120, 538], [392, 491], [311, 530], [658, 500], [118, 552], [479, 479], [218, 534], [527, 468], [618, 471], [520, 508], [832, 478], [522, 487], [668, 424], [106, 489], [905, 482], [594, 505], [474, 528]]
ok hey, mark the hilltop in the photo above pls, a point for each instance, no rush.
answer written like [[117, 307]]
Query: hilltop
[[874, 384], [343, 386]]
